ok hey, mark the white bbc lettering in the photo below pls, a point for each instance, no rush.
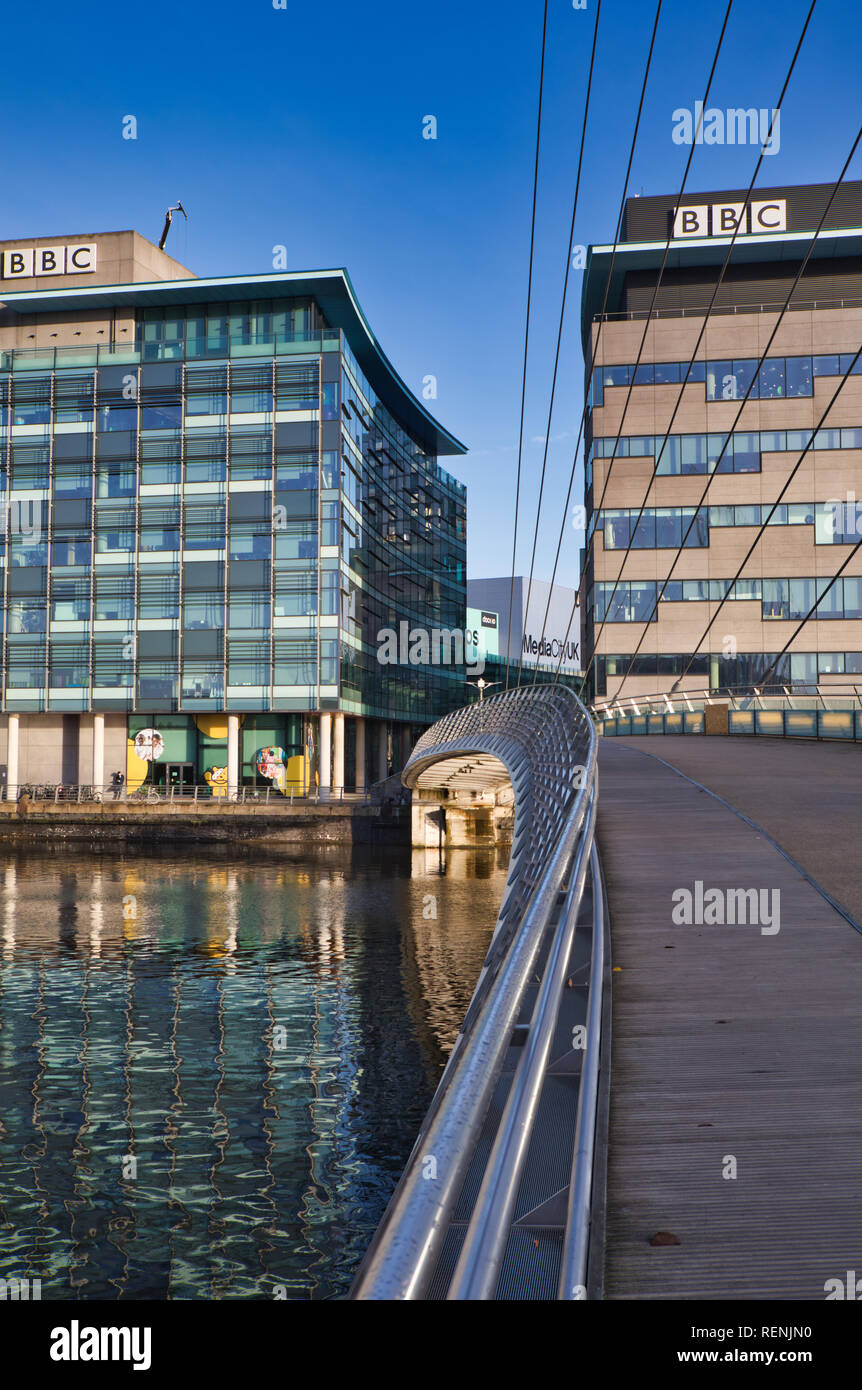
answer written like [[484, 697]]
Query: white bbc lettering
[[723, 219], [691, 221], [726, 217], [27, 262], [769, 217], [18, 265], [80, 259], [49, 260]]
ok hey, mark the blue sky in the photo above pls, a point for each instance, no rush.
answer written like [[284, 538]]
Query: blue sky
[[303, 127]]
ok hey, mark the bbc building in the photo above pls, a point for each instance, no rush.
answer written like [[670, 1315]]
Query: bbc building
[[748, 462], [217, 493]]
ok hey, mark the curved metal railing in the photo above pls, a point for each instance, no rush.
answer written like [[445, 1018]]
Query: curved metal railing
[[546, 741]]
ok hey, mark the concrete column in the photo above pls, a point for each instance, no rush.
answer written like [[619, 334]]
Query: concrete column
[[406, 744], [325, 756], [232, 754], [382, 751], [98, 751], [338, 755], [12, 758], [359, 725]]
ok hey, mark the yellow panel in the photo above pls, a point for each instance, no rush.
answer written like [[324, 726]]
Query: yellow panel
[[214, 725], [771, 719], [838, 720], [136, 768]]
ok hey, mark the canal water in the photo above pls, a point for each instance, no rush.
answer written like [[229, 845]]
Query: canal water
[[212, 1072]]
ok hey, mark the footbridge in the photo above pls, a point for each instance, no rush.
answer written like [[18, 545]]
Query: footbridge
[[496, 1197], [707, 1146]]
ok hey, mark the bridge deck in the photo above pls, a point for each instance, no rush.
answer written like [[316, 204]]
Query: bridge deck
[[726, 1042]]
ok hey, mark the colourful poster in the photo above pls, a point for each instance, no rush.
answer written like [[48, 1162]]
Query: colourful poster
[[272, 764], [149, 745]]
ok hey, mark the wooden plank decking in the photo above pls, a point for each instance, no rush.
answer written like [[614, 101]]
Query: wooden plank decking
[[727, 1043]]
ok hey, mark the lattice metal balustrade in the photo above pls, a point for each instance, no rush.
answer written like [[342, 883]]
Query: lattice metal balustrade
[[542, 741]]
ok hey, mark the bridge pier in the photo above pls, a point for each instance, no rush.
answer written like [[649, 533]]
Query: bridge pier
[[462, 820]]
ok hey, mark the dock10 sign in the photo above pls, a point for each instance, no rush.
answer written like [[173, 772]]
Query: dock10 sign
[[25, 262]]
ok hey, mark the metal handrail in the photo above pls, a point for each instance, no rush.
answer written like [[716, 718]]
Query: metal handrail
[[624, 706], [199, 795], [478, 1267], [552, 845], [573, 1274]]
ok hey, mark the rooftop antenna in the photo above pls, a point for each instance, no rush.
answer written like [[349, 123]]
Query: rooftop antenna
[[169, 217]]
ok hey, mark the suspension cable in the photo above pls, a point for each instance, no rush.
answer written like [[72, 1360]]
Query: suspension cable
[[560, 329], [527, 336], [604, 303], [704, 322]]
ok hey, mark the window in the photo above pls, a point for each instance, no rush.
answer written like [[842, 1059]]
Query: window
[[158, 595], [295, 595], [73, 479], [801, 598], [295, 661], [114, 599], [26, 616], [698, 533], [772, 379], [163, 416], [746, 453], [776, 598], [204, 610], [117, 417], [667, 373], [695, 591], [747, 590], [830, 600], [644, 530], [668, 528], [852, 598], [247, 542], [249, 610], [800, 514], [799, 376], [826, 366], [73, 551]]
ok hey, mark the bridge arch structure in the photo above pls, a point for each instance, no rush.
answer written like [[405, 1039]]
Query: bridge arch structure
[[477, 1184]]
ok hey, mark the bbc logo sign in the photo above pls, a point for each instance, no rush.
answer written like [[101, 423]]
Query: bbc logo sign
[[25, 263], [723, 219]]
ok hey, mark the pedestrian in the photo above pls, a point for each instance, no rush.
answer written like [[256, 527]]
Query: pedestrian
[[23, 801]]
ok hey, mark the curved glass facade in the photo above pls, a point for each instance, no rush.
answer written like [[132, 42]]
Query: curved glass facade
[[222, 515]]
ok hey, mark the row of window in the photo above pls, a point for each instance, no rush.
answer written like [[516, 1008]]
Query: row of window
[[200, 611], [746, 669], [74, 478], [663, 528], [296, 540], [720, 453], [729, 379], [168, 415], [635, 600]]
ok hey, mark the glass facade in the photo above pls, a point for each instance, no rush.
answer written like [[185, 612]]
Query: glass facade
[[222, 515]]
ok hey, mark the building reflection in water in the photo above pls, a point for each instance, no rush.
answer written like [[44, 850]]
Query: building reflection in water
[[211, 1074]]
